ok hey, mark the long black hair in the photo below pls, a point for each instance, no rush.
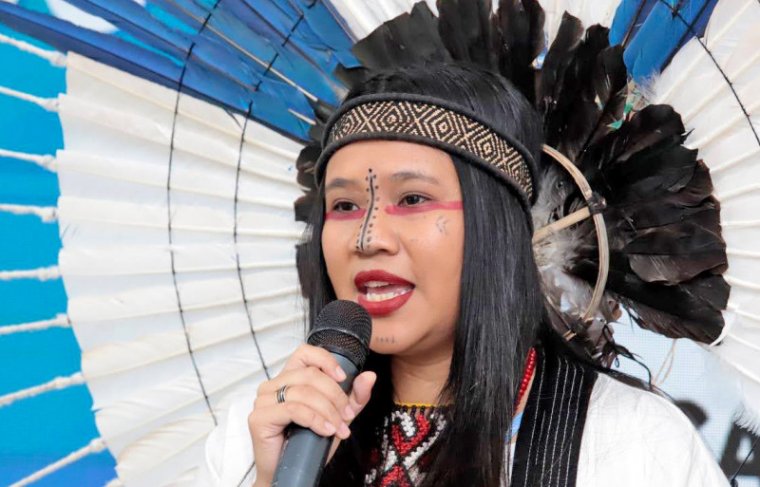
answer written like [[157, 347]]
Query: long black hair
[[501, 310]]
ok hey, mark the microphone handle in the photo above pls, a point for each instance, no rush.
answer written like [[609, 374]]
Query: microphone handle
[[305, 452]]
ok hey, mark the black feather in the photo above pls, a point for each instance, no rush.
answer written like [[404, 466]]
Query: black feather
[[409, 39], [560, 55], [518, 39], [465, 29], [581, 91], [689, 310], [663, 226], [646, 128], [675, 253], [610, 80]]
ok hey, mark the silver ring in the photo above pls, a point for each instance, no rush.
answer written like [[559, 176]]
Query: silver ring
[[281, 394]]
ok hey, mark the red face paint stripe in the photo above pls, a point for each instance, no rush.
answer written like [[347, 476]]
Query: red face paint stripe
[[432, 206]]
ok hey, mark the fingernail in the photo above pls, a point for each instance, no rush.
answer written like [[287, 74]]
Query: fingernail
[[340, 374], [348, 413], [330, 428], [344, 431]]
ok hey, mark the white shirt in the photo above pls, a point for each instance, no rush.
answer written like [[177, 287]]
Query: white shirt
[[632, 438]]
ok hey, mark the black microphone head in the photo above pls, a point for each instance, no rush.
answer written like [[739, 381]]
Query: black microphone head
[[343, 327]]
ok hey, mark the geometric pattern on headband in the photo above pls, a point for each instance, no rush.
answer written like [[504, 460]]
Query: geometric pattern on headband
[[422, 120]]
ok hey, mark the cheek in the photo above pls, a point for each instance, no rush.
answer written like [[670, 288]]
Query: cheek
[[438, 252], [335, 259]]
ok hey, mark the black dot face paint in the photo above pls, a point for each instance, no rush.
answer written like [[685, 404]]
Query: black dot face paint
[[364, 235], [390, 339]]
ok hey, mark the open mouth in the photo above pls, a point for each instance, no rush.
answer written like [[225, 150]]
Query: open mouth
[[381, 292], [377, 291]]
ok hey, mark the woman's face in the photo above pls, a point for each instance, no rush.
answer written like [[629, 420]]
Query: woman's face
[[393, 241]]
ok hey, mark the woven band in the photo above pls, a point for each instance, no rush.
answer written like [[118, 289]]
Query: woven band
[[434, 122]]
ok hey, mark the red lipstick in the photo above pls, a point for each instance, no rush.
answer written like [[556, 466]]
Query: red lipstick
[[391, 284]]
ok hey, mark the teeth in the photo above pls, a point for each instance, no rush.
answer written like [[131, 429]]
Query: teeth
[[375, 297], [376, 284]]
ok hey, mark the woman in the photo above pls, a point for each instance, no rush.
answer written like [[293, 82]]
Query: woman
[[426, 181]]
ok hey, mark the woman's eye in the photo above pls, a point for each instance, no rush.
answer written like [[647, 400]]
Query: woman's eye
[[344, 206], [413, 199]]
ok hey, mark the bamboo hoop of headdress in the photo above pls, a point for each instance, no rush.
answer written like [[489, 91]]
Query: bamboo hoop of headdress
[[595, 205]]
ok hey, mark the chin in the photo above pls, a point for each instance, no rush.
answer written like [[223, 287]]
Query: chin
[[384, 348], [389, 337]]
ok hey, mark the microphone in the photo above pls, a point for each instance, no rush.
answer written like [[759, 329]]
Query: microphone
[[344, 328]]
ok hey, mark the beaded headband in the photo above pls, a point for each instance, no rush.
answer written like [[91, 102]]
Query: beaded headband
[[433, 122]]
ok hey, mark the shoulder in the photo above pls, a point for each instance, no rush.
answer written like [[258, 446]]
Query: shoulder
[[634, 436]]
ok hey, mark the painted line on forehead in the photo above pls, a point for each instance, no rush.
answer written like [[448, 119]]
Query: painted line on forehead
[[433, 206], [365, 229]]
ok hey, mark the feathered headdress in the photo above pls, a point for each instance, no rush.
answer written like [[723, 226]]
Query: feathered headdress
[[666, 254], [191, 130]]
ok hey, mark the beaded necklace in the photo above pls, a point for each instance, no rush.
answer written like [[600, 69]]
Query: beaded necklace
[[530, 367]]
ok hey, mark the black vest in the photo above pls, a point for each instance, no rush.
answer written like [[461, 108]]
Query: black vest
[[549, 439]]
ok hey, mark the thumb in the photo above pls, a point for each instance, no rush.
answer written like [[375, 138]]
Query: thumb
[[359, 397], [361, 391]]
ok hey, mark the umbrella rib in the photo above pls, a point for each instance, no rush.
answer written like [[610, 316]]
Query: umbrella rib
[[48, 214], [57, 59], [40, 273], [60, 321], [53, 385], [95, 446], [49, 104], [44, 160]]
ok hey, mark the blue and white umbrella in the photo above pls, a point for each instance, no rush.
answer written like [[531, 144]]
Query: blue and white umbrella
[[172, 195]]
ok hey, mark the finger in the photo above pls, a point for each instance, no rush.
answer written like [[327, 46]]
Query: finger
[[319, 385], [271, 421], [310, 356], [361, 391], [311, 397]]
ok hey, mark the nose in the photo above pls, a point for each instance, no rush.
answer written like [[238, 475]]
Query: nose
[[376, 233]]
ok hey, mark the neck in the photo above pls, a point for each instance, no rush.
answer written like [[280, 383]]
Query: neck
[[419, 381]]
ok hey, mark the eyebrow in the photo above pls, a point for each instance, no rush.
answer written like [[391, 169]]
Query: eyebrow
[[407, 175], [400, 176], [341, 183]]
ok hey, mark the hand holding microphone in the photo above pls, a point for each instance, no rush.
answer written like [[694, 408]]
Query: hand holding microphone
[[314, 393]]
